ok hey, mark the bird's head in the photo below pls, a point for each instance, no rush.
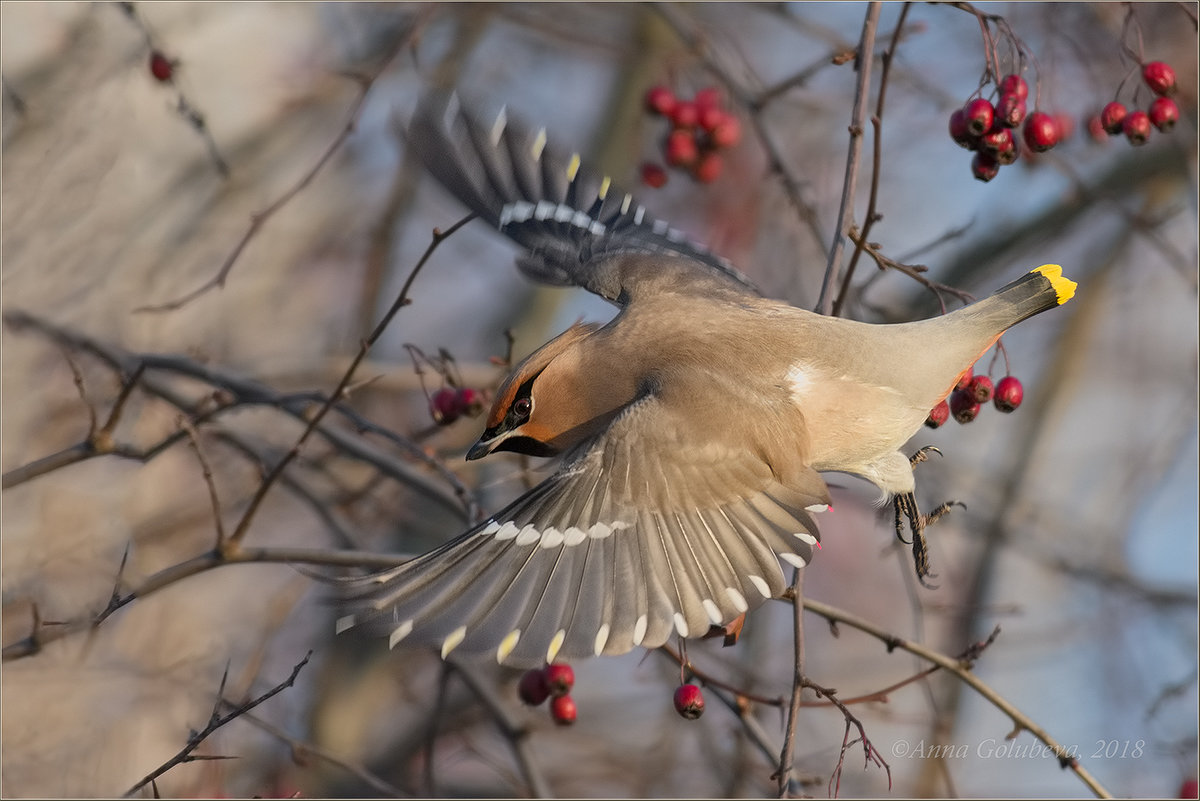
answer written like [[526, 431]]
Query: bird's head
[[552, 400]]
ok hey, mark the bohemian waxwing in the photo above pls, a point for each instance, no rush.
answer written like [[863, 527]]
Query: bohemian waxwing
[[693, 426]]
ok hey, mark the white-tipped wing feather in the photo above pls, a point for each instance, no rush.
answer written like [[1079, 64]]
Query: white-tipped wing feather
[[615, 550]]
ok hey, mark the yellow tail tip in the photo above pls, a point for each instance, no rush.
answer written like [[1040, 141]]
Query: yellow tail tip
[[1063, 287]]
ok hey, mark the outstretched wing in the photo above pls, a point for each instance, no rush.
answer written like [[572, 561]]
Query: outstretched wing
[[620, 547], [575, 225]]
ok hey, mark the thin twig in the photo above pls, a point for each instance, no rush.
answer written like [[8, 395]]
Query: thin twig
[[216, 721], [961, 668], [258, 220], [866, 50], [799, 681], [873, 214]]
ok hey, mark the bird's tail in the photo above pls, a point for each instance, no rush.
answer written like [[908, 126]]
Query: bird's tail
[[1039, 290]]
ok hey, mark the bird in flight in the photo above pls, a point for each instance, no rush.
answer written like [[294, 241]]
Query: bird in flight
[[693, 427]]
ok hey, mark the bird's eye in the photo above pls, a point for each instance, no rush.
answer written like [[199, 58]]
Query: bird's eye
[[522, 407]]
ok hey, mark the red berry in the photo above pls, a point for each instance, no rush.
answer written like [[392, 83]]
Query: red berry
[[1014, 85], [997, 142], [959, 131], [532, 688], [710, 117], [680, 149], [727, 133], [1189, 788], [1041, 132], [660, 100], [685, 114], [1066, 125], [1159, 76], [963, 406], [559, 679], [161, 67], [964, 380], [708, 168], [980, 388], [1011, 111], [1009, 394], [708, 97], [1137, 127], [444, 406], [984, 167], [1164, 113], [563, 710], [979, 115], [1112, 116], [689, 701], [938, 415], [653, 175], [469, 401], [1096, 129]]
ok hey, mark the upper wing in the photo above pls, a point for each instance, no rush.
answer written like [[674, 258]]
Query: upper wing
[[574, 225], [618, 548]]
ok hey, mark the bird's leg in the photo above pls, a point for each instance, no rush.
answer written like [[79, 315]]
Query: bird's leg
[[906, 508]]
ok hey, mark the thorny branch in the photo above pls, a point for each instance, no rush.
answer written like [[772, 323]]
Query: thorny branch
[[257, 221], [215, 721], [961, 668]]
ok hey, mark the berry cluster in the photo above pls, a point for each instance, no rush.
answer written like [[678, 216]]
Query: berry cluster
[[971, 392], [450, 403], [1163, 112], [689, 701], [700, 129], [554, 682], [988, 129]]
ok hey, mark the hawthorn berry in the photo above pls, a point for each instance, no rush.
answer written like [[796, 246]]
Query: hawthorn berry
[[1014, 85], [965, 379], [984, 167], [997, 141], [469, 401], [1096, 129], [708, 97], [685, 114], [1009, 394], [562, 710], [963, 405], [980, 388], [660, 100], [1011, 111], [1137, 127], [680, 149], [653, 175], [1164, 113], [959, 131], [979, 115], [689, 701], [1112, 116], [1066, 125], [938, 415], [560, 679], [709, 117], [533, 688], [444, 406], [161, 67], [1159, 76], [708, 168], [1041, 132], [727, 133]]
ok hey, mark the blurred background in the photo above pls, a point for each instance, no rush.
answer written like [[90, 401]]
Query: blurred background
[[122, 191]]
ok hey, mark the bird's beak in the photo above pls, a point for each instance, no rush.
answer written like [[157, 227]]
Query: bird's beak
[[482, 448]]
